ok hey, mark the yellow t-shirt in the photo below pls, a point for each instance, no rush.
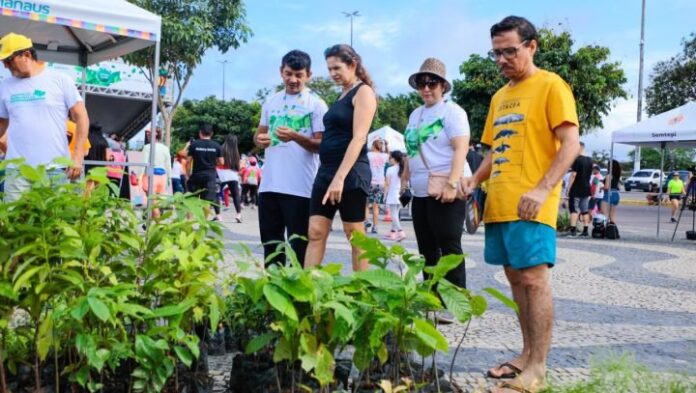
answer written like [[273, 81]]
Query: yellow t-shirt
[[519, 129]]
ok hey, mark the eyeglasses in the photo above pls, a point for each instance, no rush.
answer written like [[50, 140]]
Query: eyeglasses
[[421, 83], [507, 53]]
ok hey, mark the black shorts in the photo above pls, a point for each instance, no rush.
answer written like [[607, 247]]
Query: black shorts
[[675, 197], [351, 207], [204, 185]]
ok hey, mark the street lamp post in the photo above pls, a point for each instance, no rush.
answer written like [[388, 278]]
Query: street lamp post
[[224, 68], [636, 157], [351, 15]]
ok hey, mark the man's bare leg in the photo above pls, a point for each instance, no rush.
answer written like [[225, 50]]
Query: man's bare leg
[[520, 297], [535, 283]]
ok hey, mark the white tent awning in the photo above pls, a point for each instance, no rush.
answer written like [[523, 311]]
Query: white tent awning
[[395, 140], [675, 128], [81, 32]]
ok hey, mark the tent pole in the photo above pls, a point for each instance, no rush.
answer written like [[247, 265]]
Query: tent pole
[[662, 174], [153, 131]]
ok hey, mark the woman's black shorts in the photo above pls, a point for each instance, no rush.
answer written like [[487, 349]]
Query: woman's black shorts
[[351, 207]]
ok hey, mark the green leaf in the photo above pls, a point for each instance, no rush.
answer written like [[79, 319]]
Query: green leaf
[[443, 266], [478, 305], [214, 315], [177, 309], [19, 283], [427, 333], [456, 301], [45, 338], [184, 355], [99, 308], [341, 311], [258, 343], [279, 300], [326, 365], [380, 278], [31, 173], [7, 292], [283, 351], [502, 298], [78, 312]]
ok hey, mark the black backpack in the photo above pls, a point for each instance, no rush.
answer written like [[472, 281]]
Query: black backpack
[[611, 231]]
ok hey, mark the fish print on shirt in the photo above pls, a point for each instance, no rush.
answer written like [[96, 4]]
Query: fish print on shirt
[[415, 137], [509, 130]]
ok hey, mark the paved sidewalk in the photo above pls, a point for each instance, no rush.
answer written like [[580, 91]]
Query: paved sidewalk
[[637, 295]]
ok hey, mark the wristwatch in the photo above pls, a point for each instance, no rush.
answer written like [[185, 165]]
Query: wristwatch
[[453, 184]]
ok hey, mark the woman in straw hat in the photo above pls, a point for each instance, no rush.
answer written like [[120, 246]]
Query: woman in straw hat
[[437, 140]]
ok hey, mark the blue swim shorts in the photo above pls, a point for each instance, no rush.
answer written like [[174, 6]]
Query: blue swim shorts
[[520, 244]]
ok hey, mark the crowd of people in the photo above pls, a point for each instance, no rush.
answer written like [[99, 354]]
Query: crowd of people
[[316, 163]]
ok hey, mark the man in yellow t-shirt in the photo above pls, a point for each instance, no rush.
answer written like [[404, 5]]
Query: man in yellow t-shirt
[[532, 129], [676, 189]]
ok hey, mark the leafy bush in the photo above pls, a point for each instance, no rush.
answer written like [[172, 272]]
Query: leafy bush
[[103, 298], [381, 313]]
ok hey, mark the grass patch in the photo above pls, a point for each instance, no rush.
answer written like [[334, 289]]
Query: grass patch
[[623, 374]]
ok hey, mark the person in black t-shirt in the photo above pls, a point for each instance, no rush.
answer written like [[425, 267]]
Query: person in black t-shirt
[[579, 191], [206, 154]]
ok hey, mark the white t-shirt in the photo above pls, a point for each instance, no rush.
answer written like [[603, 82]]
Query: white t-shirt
[[177, 170], [163, 158], [431, 130], [599, 186], [377, 162], [394, 185], [289, 168], [37, 108]]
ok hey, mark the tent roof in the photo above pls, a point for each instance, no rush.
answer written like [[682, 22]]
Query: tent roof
[[80, 32], [674, 127]]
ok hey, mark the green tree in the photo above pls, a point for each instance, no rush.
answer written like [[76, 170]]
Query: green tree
[[229, 117], [189, 29], [675, 159], [595, 81], [393, 111], [325, 88], [673, 81]]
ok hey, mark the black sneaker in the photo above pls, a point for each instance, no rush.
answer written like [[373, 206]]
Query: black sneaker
[[672, 220], [584, 234]]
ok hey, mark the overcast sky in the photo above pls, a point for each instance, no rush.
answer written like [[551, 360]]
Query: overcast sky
[[394, 37]]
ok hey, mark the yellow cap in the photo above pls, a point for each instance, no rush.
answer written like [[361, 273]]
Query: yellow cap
[[12, 43]]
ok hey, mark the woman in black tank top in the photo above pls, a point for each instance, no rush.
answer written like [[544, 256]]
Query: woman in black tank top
[[343, 179]]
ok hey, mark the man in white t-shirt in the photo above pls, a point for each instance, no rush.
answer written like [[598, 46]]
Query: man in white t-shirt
[[34, 106], [290, 130]]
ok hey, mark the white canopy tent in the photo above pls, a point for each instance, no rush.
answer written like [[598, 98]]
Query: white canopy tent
[[85, 32], [674, 128], [395, 140]]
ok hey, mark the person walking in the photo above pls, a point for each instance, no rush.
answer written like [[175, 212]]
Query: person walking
[[290, 131], [579, 192], [437, 141], [344, 176], [597, 190], [178, 178], [392, 185], [228, 173], [676, 190], [34, 105], [612, 197], [378, 158], [206, 154], [251, 177], [162, 167], [532, 129]]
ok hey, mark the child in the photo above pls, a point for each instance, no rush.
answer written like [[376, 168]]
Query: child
[[393, 187]]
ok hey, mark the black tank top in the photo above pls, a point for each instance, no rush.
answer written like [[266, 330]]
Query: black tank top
[[338, 132]]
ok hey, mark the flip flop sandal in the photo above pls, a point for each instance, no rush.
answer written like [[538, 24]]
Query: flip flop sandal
[[515, 371], [520, 389]]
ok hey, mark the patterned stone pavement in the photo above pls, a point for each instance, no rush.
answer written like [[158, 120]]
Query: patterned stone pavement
[[635, 295]]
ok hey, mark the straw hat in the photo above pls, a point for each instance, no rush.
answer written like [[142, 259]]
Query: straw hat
[[431, 66]]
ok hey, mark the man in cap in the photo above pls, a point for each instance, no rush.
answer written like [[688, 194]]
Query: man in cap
[[34, 106], [532, 128]]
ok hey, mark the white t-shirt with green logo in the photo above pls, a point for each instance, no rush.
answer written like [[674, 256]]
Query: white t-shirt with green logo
[[430, 130], [37, 108], [289, 168]]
